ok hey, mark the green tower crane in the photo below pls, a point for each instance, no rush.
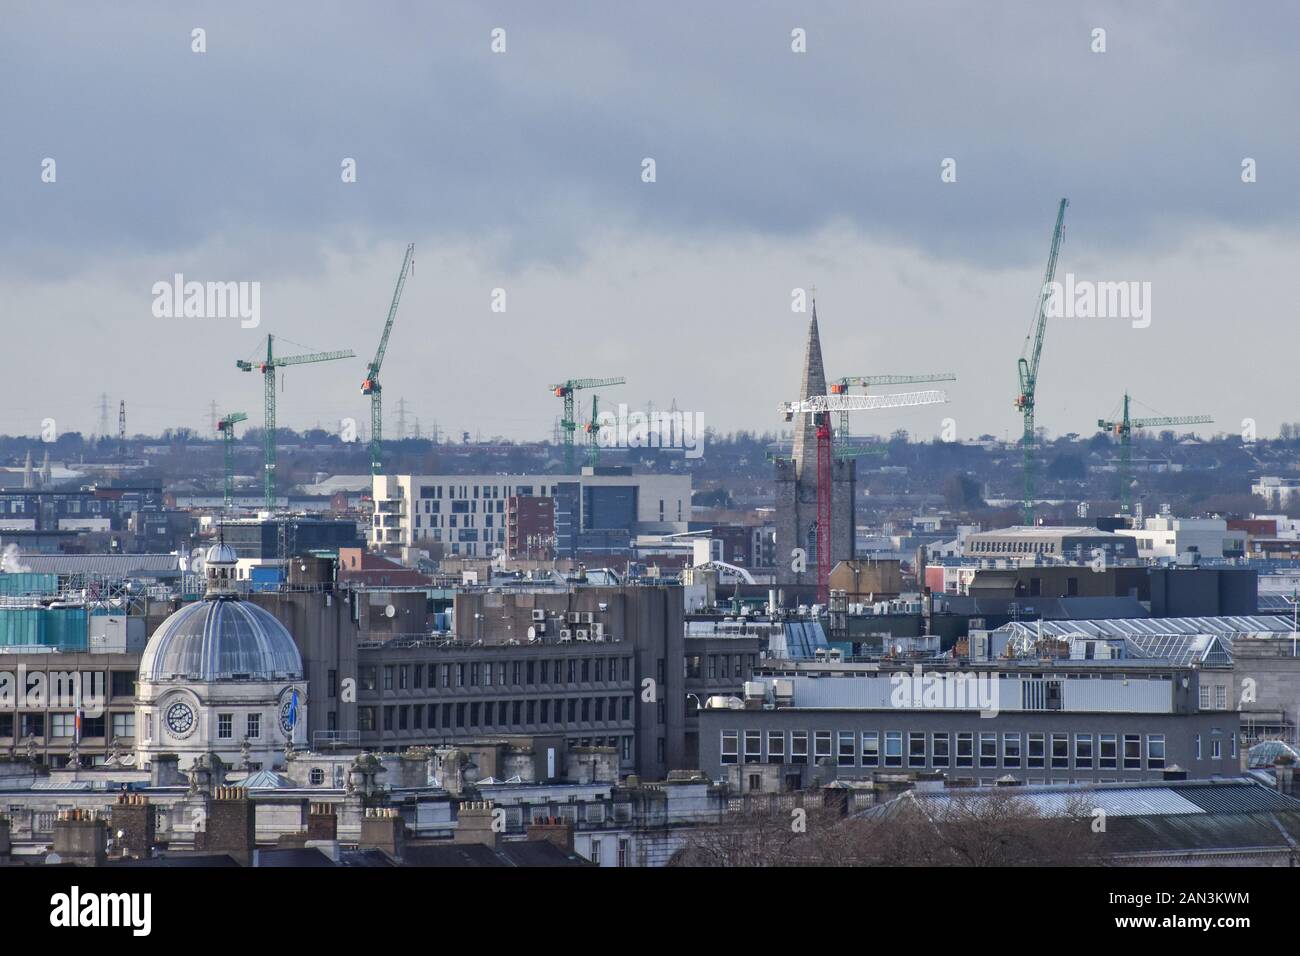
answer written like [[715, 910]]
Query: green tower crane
[[267, 368], [226, 426], [867, 381], [371, 384], [1029, 358], [1124, 429], [568, 423]]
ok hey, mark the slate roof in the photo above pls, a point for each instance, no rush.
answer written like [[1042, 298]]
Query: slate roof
[[525, 854]]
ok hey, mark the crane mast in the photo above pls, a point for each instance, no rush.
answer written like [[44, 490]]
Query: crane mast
[[1028, 364], [267, 368], [226, 426], [569, 424], [1123, 428], [371, 384]]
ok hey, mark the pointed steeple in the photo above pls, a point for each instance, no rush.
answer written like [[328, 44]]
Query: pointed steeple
[[813, 383]]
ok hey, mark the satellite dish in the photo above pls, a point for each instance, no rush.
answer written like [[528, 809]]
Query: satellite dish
[[390, 611], [532, 633]]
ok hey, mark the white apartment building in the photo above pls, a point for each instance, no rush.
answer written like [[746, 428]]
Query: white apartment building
[[1278, 492], [466, 514], [1165, 536]]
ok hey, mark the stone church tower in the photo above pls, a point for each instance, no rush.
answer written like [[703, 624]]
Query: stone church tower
[[796, 490]]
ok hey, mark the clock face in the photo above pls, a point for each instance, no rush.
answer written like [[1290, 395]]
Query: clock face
[[180, 719], [286, 705]]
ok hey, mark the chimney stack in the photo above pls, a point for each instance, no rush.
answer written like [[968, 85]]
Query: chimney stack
[[553, 830], [322, 822], [384, 829], [474, 823], [231, 825], [80, 837], [133, 817]]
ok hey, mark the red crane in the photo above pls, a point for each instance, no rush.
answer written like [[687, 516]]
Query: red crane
[[821, 407]]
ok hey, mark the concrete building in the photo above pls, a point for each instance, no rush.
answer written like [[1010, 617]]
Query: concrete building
[[796, 491], [1057, 721], [465, 515], [1277, 491], [1165, 538], [1048, 544]]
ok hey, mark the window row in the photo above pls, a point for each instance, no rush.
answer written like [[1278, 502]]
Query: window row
[[920, 750], [65, 725], [494, 713], [573, 670]]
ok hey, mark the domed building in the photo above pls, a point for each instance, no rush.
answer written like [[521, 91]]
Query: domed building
[[220, 676]]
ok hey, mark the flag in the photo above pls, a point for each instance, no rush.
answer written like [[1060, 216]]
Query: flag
[[293, 709]]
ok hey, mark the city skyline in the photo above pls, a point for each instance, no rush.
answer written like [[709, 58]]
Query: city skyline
[[774, 170]]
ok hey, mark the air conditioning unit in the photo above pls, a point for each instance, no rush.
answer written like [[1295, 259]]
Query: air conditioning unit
[[598, 631], [539, 614], [566, 635], [573, 617], [583, 634], [586, 617], [598, 637]]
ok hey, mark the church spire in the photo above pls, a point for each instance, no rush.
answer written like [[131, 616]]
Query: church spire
[[813, 383]]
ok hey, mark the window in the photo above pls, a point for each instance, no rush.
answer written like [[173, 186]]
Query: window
[[1011, 751], [966, 750], [1205, 697], [1132, 752], [1216, 749], [123, 683], [939, 744], [1156, 751], [317, 776], [1221, 697], [870, 748], [366, 676], [404, 677], [1037, 755], [988, 749], [388, 718], [388, 677], [365, 718], [332, 682], [253, 726], [123, 725], [822, 745], [730, 746], [225, 726], [1107, 758], [775, 746], [624, 851], [1060, 751], [62, 725], [845, 755], [894, 748], [798, 746], [753, 746], [1083, 751], [916, 749]]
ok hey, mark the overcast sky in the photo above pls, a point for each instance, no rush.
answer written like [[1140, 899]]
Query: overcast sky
[[522, 171]]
